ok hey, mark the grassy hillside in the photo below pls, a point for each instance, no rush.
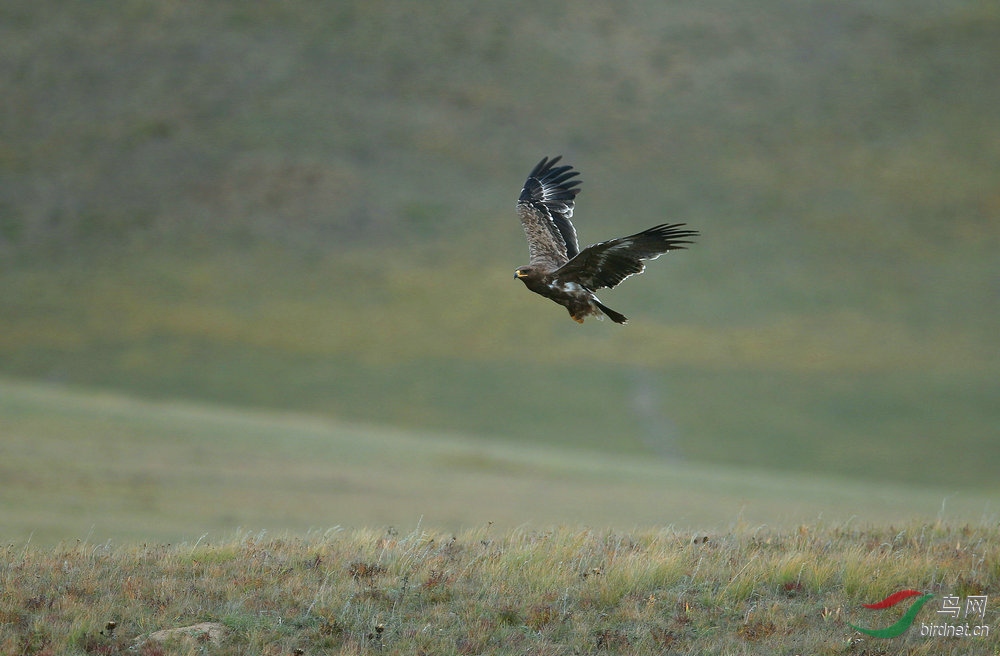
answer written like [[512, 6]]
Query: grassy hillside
[[309, 208], [748, 591], [879, 402], [100, 467]]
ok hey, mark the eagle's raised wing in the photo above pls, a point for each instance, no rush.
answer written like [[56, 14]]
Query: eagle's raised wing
[[545, 208], [608, 263]]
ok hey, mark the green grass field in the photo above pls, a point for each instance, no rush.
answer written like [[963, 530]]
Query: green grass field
[[98, 467], [856, 396], [298, 208]]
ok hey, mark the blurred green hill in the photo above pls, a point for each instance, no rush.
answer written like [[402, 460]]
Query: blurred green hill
[[309, 206]]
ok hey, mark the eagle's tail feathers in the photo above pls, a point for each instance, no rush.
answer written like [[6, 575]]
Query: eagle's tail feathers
[[617, 317]]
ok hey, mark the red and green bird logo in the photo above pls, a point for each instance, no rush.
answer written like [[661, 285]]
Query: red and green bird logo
[[904, 622]]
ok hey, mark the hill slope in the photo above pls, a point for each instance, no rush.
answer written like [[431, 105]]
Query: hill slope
[[309, 208], [98, 466]]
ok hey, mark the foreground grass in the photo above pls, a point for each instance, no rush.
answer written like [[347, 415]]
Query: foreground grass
[[561, 591]]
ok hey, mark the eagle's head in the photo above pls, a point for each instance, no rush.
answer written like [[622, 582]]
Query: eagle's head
[[524, 273]]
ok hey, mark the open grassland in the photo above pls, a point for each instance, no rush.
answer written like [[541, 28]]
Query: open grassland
[[99, 466], [308, 207], [749, 590], [284, 230], [367, 337]]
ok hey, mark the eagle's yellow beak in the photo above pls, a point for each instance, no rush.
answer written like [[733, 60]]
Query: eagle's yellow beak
[[518, 274]]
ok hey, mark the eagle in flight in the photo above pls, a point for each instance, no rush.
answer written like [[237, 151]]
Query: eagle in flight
[[558, 269]]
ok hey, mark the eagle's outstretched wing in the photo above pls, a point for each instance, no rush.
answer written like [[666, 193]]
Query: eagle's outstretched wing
[[545, 208], [608, 263]]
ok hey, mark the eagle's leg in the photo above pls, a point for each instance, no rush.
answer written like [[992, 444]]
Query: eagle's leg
[[576, 314]]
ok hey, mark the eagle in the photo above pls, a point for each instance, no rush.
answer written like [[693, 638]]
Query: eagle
[[558, 269]]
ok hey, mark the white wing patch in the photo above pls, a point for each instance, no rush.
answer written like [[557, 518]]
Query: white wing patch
[[568, 287]]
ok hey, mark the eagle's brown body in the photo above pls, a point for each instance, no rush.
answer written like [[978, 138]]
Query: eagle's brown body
[[558, 269], [571, 295]]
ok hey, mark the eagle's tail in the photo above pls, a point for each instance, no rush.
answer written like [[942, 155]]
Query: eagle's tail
[[614, 316]]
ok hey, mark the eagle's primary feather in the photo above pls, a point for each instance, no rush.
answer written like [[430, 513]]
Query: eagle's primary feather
[[546, 207], [557, 268]]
